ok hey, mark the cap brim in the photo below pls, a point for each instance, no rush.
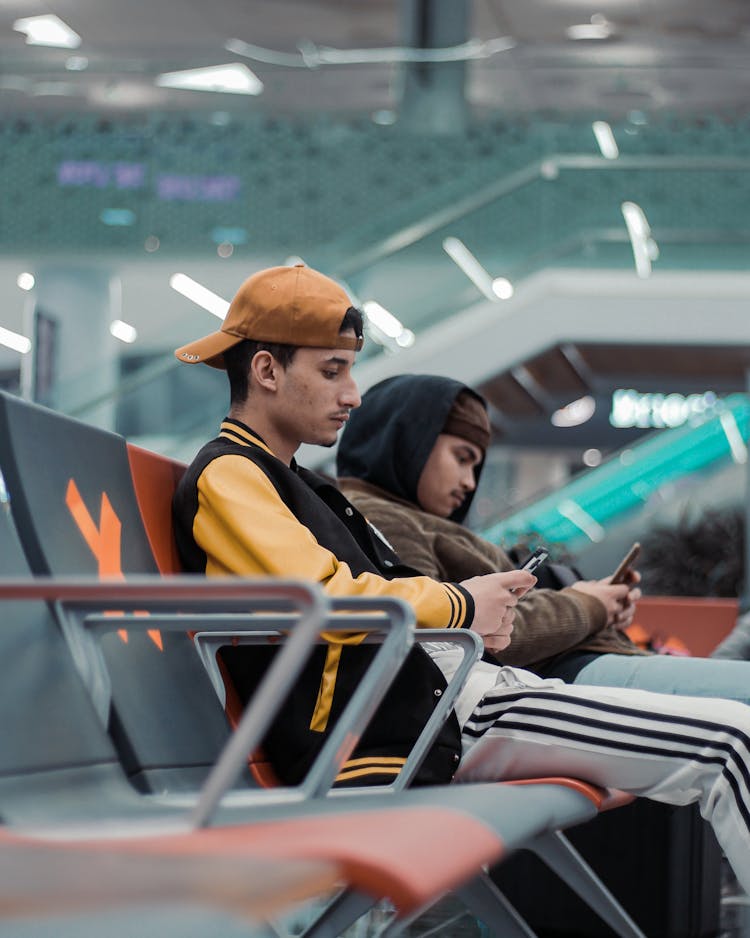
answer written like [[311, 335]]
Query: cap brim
[[209, 350]]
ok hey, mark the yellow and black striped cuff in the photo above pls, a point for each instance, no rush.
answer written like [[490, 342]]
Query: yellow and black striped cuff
[[370, 766], [462, 606]]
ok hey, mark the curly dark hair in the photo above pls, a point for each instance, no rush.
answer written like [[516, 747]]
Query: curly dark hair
[[699, 556]]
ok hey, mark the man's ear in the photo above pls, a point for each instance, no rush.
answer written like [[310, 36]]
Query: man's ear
[[264, 370]]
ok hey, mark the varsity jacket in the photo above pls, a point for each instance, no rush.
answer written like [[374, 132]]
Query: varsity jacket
[[240, 510], [381, 455]]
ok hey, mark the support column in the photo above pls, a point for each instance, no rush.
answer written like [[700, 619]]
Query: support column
[[434, 93], [74, 357]]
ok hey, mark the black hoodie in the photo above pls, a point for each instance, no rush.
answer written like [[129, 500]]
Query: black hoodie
[[382, 453], [388, 440]]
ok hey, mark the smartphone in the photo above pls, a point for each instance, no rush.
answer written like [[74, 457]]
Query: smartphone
[[627, 561], [535, 561]]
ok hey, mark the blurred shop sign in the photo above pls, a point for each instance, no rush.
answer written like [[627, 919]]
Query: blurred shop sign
[[631, 408]]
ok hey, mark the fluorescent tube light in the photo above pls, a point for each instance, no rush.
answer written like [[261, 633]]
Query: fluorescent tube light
[[385, 328], [199, 294], [465, 260], [123, 331], [645, 249], [227, 79], [383, 319], [737, 446], [606, 140], [582, 520], [48, 30], [19, 343]]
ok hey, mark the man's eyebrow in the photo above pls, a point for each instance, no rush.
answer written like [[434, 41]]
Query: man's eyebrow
[[335, 360]]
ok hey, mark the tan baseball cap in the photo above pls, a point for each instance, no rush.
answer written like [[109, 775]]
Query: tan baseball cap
[[289, 305]]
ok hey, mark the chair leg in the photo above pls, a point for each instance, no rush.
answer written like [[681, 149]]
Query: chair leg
[[561, 856], [484, 900], [343, 910]]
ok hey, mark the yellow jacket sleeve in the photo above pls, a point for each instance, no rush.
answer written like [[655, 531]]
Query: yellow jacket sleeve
[[245, 528]]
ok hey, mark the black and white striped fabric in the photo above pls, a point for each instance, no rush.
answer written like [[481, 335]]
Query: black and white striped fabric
[[669, 748]]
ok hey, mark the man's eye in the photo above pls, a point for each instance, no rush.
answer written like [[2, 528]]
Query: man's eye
[[330, 374]]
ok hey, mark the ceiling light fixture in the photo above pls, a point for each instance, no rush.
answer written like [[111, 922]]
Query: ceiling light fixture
[[199, 295], [48, 30], [589, 31], [645, 249], [495, 289], [575, 413], [123, 331], [737, 446], [606, 140], [25, 281], [227, 79], [582, 520], [15, 341], [312, 56], [385, 328]]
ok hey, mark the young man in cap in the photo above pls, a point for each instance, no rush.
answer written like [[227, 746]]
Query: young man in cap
[[245, 507], [411, 458], [288, 344]]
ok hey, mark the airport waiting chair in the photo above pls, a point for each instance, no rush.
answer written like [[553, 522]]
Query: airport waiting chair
[[64, 797], [69, 524]]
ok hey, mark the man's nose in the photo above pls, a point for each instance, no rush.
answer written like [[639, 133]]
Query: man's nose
[[350, 396], [468, 481]]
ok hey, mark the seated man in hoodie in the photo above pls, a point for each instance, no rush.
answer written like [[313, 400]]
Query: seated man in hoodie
[[410, 459]]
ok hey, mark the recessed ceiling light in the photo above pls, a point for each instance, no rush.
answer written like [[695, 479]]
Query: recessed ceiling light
[[48, 30], [227, 79], [589, 31], [25, 281], [502, 288]]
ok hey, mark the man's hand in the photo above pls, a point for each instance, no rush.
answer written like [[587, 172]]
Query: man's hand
[[619, 600], [495, 596]]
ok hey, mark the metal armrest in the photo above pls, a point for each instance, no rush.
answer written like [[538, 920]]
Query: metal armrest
[[392, 630], [74, 598], [324, 774], [472, 646]]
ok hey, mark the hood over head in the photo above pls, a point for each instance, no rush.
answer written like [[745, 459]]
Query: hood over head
[[390, 436]]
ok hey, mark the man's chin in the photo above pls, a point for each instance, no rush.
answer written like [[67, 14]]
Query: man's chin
[[326, 441]]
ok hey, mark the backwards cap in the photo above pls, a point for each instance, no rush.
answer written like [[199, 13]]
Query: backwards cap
[[285, 305]]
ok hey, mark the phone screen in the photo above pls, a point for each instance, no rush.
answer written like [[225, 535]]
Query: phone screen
[[535, 561], [627, 561]]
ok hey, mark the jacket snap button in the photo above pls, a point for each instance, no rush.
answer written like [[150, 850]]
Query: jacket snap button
[[348, 512], [438, 692], [387, 563], [456, 757]]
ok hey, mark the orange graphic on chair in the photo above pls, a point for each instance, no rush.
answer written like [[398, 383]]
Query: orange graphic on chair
[[104, 542]]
